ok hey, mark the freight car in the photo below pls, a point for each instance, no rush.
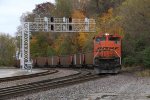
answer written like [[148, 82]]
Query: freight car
[[105, 58], [74, 60]]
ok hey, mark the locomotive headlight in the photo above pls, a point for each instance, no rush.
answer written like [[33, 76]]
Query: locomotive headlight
[[106, 34]]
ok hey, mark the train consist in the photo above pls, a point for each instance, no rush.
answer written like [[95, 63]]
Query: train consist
[[105, 58]]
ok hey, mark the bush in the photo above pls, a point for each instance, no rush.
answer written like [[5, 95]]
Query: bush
[[146, 58], [129, 61], [7, 49]]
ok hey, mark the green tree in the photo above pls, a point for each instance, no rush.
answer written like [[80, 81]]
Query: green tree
[[135, 21], [7, 50], [146, 58], [97, 7], [40, 44], [63, 8]]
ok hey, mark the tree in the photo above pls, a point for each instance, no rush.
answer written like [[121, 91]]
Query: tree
[[63, 8], [41, 10], [40, 44], [44, 10], [135, 21], [27, 17], [146, 57], [136, 16], [82, 39], [109, 22], [97, 7], [58, 45], [7, 51], [78, 14]]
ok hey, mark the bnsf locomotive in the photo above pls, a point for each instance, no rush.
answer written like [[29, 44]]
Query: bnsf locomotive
[[105, 58], [107, 53]]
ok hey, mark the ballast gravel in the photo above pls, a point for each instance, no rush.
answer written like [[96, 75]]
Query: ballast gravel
[[123, 86], [61, 73]]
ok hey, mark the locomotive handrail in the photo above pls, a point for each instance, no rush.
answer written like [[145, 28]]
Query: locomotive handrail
[[95, 56], [118, 56]]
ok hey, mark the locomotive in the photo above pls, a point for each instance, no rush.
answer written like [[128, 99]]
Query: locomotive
[[105, 58], [107, 53]]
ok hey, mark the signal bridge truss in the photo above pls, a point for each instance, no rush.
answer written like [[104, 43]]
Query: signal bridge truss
[[49, 25]]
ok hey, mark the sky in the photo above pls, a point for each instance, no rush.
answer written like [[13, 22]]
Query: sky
[[11, 10]]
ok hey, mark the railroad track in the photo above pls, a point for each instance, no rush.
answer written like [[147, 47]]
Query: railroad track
[[47, 72], [14, 91]]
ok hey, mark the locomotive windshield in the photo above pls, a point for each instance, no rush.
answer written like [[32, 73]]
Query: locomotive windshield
[[115, 39], [98, 39]]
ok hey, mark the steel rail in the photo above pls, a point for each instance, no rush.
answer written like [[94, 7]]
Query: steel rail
[[19, 90], [13, 78]]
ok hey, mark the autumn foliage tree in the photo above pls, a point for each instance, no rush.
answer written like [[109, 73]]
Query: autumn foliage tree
[[46, 9], [110, 23], [81, 38], [63, 8], [41, 44]]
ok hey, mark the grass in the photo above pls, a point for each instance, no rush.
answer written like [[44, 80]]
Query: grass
[[138, 71], [129, 68], [144, 73]]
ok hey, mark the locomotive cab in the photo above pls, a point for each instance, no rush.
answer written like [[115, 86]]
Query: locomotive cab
[[107, 53]]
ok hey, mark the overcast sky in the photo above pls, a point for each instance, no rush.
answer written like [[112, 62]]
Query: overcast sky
[[11, 10]]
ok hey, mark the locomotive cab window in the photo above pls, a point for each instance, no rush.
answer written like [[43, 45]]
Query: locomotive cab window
[[99, 39], [115, 39]]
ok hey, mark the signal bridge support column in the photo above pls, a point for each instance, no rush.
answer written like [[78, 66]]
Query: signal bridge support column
[[25, 60], [50, 25]]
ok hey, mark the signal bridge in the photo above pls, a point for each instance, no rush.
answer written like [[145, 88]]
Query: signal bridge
[[49, 25]]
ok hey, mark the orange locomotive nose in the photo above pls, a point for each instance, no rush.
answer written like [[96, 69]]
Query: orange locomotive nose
[[107, 53], [106, 46]]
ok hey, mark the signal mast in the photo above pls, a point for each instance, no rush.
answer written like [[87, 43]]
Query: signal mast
[[49, 25]]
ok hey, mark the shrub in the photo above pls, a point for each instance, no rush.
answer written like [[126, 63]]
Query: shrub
[[129, 61], [146, 58]]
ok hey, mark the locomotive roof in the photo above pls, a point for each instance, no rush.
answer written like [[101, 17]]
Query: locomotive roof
[[107, 34]]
